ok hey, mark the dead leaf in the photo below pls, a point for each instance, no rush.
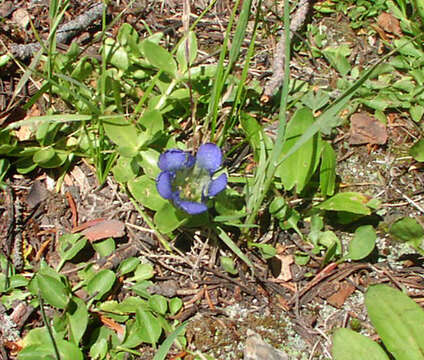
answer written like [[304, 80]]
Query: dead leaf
[[257, 349], [337, 300], [105, 229], [6, 9], [365, 129], [389, 23], [21, 17], [280, 265]]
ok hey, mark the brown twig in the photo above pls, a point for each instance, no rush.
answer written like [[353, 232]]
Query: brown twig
[[279, 55], [65, 32]]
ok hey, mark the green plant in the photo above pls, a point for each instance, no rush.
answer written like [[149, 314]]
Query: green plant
[[398, 320]]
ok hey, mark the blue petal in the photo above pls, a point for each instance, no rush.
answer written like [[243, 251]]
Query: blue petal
[[192, 208], [164, 184], [175, 159], [217, 185], [209, 157]]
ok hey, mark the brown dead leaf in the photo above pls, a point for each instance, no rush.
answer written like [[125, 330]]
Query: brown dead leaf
[[280, 265], [104, 229], [365, 129], [21, 18], [337, 300], [389, 24]]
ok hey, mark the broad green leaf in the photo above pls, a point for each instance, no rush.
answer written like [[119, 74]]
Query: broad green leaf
[[327, 171], [68, 249], [142, 272], [128, 265], [53, 291], [349, 345], [168, 218], [417, 150], [337, 57], [149, 162], [123, 133], [407, 230], [67, 351], [315, 101], [298, 169], [159, 57], [99, 349], [101, 283], [43, 156], [191, 42], [175, 305], [398, 320], [152, 121], [158, 304], [77, 316], [417, 113], [105, 247], [267, 251], [150, 330], [133, 335], [144, 191], [116, 54], [352, 202], [406, 47], [363, 243], [125, 169]]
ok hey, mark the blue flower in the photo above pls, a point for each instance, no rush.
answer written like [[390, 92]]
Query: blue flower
[[187, 180]]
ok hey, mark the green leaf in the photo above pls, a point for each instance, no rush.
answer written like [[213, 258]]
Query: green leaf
[[67, 351], [327, 172], [158, 304], [417, 113], [407, 230], [166, 345], [417, 150], [53, 291], [363, 243], [77, 316], [116, 54], [349, 345], [128, 265], [101, 283], [267, 251], [43, 156], [150, 330], [71, 245], [168, 218], [124, 134], [144, 191], [181, 51], [149, 162], [175, 305], [99, 349], [227, 264], [234, 248], [152, 121], [352, 202], [315, 101], [142, 272], [337, 57], [125, 169], [105, 247], [298, 169], [398, 320], [159, 57]]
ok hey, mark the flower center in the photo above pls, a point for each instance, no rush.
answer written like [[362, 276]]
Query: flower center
[[192, 183]]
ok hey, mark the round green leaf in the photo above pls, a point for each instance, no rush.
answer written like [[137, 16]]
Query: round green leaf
[[144, 191], [407, 230], [362, 243], [168, 218], [101, 283], [150, 329], [128, 265], [42, 156], [77, 319], [417, 150], [352, 202], [175, 304], [158, 304]]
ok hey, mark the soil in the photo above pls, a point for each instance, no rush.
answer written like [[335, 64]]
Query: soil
[[298, 315]]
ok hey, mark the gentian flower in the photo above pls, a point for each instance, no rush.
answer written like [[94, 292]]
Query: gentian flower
[[187, 180]]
